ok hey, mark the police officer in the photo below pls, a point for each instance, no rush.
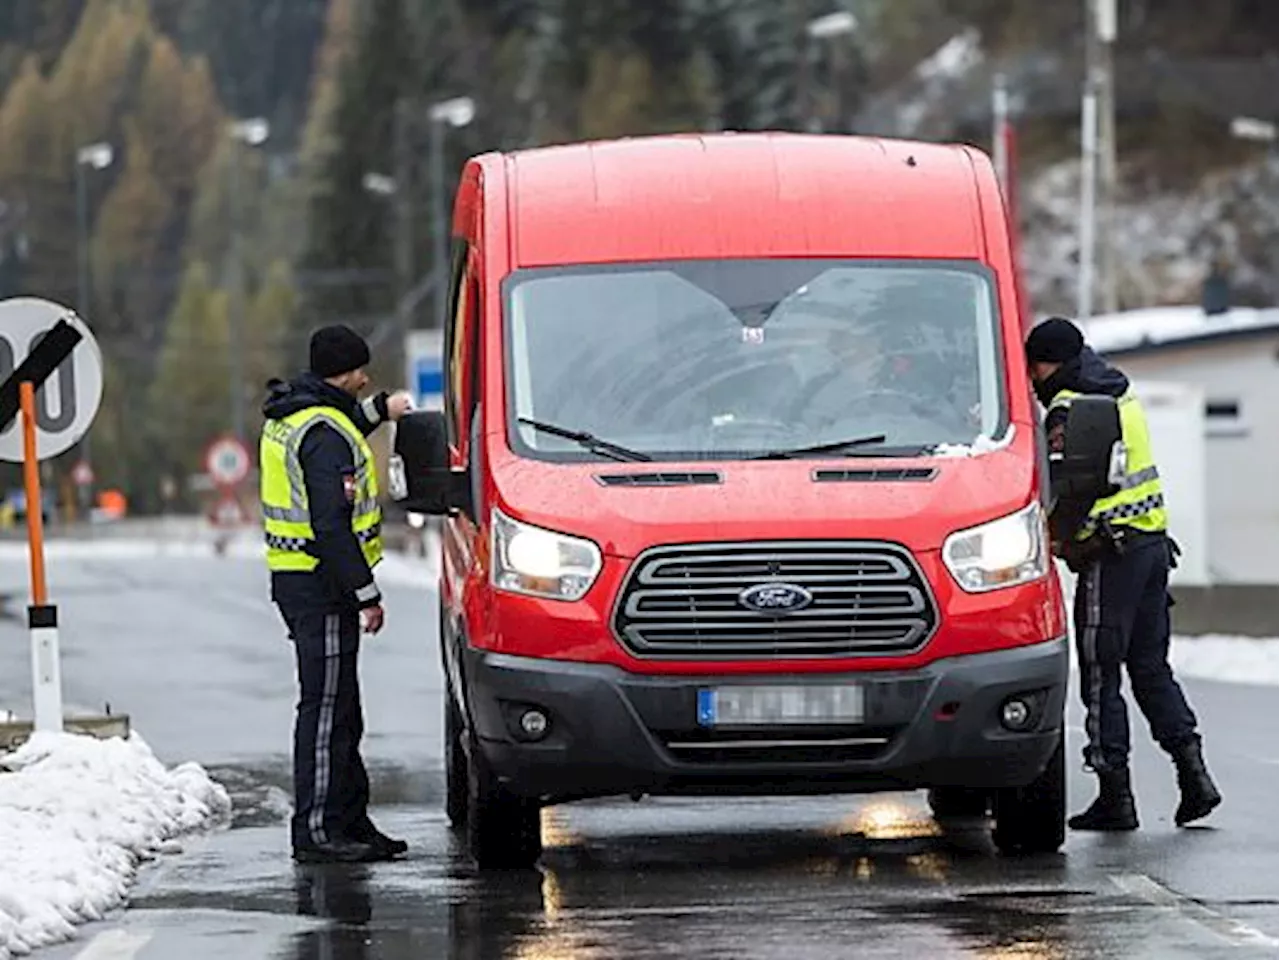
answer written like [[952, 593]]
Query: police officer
[[323, 531], [1121, 552]]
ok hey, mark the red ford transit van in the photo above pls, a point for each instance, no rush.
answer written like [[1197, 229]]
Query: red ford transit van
[[743, 486]]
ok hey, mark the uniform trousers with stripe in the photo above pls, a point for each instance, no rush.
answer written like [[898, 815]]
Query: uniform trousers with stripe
[[1122, 625], [331, 785]]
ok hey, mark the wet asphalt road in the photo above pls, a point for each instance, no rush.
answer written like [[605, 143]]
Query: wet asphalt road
[[191, 649]]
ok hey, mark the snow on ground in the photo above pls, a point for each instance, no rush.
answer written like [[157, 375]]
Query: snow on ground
[[1229, 659], [78, 816], [397, 569]]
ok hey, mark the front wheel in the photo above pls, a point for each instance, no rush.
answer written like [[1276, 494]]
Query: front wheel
[[455, 764], [503, 830], [1033, 819]]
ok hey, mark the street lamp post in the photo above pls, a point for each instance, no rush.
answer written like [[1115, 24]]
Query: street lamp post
[[99, 156], [253, 133], [830, 26], [457, 112]]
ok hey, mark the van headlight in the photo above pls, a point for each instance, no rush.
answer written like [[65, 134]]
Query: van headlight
[[1002, 553], [542, 563]]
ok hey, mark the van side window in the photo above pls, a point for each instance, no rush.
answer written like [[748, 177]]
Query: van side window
[[454, 318], [459, 344]]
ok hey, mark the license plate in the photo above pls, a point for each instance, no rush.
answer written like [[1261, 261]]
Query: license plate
[[739, 706]]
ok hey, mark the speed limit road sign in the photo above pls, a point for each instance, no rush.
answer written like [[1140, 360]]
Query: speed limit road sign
[[227, 461], [68, 401]]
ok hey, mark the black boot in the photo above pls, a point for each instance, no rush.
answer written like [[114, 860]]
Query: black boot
[[1199, 794], [336, 851], [389, 847], [1114, 809]]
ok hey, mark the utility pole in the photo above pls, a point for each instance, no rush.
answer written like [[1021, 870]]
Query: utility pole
[[1088, 181], [1000, 117], [1106, 29]]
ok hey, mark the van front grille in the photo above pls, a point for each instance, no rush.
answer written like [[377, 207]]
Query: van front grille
[[861, 599]]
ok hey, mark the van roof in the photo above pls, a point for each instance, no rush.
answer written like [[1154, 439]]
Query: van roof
[[694, 196]]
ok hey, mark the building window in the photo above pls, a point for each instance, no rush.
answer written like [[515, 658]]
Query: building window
[[1222, 418]]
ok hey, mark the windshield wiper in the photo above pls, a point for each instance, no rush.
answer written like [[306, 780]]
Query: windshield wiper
[[832, 447], [587, 440]]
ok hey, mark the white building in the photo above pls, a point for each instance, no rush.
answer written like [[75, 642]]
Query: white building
[[1234, 361]]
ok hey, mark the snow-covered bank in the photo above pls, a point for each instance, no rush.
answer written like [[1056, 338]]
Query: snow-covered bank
[[77, 817]]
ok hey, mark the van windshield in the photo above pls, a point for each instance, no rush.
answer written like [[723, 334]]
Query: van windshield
[[733, 359]]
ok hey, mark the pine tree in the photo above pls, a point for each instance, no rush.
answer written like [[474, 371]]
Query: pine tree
[[130, 232], [271, 315], [179, 115], [318, 140], [189, 402], [347, 230]]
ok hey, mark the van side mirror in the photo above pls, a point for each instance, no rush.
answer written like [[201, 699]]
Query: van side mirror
[[1086, 468], [421, 478]]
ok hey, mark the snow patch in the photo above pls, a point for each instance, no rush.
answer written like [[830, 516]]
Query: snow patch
[[1164, 239], [982, 444], [1251, 660], [77, 817], [953, 59]]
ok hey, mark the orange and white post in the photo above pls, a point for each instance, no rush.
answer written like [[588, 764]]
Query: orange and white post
[[42, 616]]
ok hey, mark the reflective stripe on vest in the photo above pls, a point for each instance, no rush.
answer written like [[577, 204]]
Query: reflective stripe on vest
[[290, 538], [1139, 503]]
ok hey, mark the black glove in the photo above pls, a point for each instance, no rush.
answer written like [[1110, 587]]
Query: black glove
[[1082, 554]]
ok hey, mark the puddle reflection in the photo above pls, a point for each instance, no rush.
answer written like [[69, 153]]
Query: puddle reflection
[[885, 872]]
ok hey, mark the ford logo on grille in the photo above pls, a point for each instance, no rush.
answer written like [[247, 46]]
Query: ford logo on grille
[[775, 598]]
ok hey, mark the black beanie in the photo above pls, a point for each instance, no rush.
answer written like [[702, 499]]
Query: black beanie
[[1056, 340], [337, 350]]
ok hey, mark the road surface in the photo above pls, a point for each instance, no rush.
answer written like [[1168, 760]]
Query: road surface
[[191, 649]]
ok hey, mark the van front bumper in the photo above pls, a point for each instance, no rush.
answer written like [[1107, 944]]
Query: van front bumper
[[614, 733]]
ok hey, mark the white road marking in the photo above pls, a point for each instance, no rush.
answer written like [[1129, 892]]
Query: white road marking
[[1233, 931], [116, 945]]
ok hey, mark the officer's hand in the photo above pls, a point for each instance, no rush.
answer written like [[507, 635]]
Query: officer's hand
[[398, 404], [372, 618]]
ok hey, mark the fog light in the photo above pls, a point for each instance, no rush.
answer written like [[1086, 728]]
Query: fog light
[[1015, 713], [534, 723]]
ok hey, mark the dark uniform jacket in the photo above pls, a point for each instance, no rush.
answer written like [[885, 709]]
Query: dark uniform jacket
[[327, 465]]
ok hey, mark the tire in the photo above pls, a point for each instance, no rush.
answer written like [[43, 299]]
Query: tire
[[503, 831], [1033, 819], [455, 764], [958, 802]]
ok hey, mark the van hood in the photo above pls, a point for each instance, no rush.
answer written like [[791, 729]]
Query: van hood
[[770, 500]]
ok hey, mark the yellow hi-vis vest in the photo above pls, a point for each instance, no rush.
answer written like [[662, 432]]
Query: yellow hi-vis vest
[[1139, 503], [286, 514]]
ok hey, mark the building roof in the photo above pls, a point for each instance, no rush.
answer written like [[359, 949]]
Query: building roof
[[692, 196], [1156, 328]]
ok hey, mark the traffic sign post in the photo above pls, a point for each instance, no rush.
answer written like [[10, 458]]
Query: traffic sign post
[[228, 511], [227, 461], [44, 347], [67, 375]]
